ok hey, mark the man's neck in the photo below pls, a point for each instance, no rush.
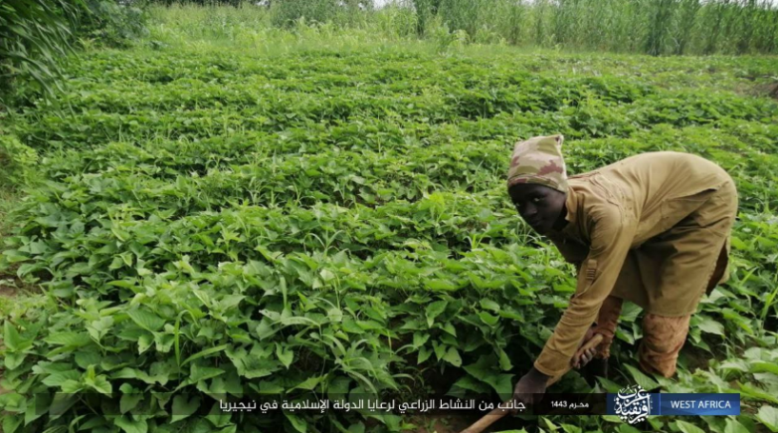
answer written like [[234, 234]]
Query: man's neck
[[561, 222]]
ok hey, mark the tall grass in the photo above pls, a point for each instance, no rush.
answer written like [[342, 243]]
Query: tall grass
[[657, 27], [32, 35]]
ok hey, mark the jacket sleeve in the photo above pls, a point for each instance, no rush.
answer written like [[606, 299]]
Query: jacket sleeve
[[611, 237]]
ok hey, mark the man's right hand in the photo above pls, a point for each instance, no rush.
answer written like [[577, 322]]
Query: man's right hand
[[531, 384]]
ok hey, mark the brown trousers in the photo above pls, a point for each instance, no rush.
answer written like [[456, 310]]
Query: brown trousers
[[663, 337]]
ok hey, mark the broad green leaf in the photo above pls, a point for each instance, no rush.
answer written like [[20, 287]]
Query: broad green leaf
[[13, 361], [36, 407], [356, 428], [419, 338], [467, 382], [146, 319], [62, 402], [326, 275], [351, 326], [424, 354], [434, 310], [609, 385], [71, 386], [145, 341], [449, 328], [69, 339], [488, 304], [335, 315], [130, 425], [183, 407], [735, 427], [12, 340], [12, 422], [505, 362], [439, 349], [768, 416], [452, 356], [87, 358], [230, 301], [641, 378], [488, 318], [486, 371], [440, 285], [285, 355], [309, 383], [755, 393], [686, 427], [129, 400], [99, 383], [217, 417], [711, 326], [57, 379], [198, 373], [762, 366], [298, 423], [738, 244], [569, 428], [265, 329]]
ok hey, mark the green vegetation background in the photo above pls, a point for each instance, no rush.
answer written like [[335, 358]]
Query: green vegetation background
[[226, 205]]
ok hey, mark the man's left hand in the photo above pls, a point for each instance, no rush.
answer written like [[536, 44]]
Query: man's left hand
[[533, 382]]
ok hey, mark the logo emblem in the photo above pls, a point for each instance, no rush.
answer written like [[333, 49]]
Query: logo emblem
[[632, 404]]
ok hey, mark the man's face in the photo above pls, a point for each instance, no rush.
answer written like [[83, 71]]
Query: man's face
[[539, 205]]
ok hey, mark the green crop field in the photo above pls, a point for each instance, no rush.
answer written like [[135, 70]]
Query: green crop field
[[225, 209]]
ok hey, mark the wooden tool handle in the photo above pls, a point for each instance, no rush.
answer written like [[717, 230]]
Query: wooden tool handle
[[493, 416]]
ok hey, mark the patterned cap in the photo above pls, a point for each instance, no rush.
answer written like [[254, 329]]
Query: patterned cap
[[539, 160]]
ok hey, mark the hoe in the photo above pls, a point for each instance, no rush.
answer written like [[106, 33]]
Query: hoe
[[493, 416]]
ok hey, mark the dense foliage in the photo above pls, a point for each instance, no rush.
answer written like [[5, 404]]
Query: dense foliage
[[214, 220], [36, 36], [32, 35], [656, 27]]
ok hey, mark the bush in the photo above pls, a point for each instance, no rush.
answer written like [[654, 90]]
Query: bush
[[288, 12], [16, 160], [36, 34], [115, 23], [33, 33]]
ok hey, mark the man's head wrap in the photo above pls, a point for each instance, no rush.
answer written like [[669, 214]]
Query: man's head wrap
[[539, 160]]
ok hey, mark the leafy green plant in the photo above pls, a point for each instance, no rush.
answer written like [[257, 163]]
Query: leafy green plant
[[301, 220], [17, 161], [114, 23]]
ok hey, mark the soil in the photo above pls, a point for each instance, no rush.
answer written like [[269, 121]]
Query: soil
[[695, 358], [8, 292]]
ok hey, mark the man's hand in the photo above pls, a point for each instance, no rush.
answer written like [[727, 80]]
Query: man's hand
[[534, 382], [580, 358]]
